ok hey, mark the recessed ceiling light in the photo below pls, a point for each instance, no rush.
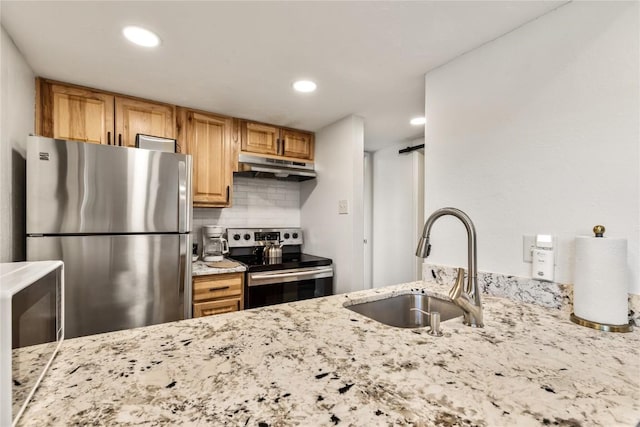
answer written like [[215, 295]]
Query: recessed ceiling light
[[418, 121], [140, 36], [305, 86]]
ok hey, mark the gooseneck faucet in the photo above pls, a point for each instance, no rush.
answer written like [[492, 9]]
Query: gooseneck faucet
[[466, 297]]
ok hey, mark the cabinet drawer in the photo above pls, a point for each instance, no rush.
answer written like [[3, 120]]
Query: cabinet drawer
[[210, 308], [218, 286]]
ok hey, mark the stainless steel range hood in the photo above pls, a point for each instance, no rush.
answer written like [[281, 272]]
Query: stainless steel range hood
[[264, 167]]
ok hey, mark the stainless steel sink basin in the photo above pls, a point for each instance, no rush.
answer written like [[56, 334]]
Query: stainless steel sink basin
[[396, 311]]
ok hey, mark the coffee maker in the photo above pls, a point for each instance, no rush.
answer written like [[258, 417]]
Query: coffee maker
[[214, 246]]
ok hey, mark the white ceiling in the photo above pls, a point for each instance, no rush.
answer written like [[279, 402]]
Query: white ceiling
[[240, 58]]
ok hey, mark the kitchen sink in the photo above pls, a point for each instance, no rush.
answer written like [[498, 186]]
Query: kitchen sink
[[396, 311]]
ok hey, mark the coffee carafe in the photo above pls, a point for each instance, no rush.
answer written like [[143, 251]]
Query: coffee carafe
[[214, 246]]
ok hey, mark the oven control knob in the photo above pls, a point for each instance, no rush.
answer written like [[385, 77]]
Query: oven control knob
[[295, 235], [247, 236], [236, 237], [286, 235]]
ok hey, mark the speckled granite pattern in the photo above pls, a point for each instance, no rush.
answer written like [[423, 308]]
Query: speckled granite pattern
[[545, 294], [314, 363], [634, 309], [199, 268]]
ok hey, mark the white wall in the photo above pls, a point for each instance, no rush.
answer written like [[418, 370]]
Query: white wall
[[17, 105], [339, 164], [538, 132], [397, 210], [257, 202]]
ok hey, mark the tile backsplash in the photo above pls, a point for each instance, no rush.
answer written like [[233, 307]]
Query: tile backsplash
[[256, 203]]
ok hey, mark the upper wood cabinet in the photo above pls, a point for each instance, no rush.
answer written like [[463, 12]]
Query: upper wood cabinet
[[207, 138], [272, 141], [134, 116], [83, 114], [260, 138], [297, 144], [74, 113]]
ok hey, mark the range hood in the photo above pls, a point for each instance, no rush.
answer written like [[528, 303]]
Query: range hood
[[264, 167]]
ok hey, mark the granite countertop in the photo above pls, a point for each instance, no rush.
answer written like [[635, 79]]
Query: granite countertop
[[316, 363], [200, 268]]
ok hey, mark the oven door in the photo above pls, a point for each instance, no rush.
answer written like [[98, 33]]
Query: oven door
[[277, 287]]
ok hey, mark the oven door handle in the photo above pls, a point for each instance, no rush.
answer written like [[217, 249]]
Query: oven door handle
[[299, 273], [257, 279]]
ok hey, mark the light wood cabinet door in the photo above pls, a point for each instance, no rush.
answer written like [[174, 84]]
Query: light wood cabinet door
[[76, 114], [297, 144], [272, 141], [211, 308], [260, 138], [134, 116], [208, 140]]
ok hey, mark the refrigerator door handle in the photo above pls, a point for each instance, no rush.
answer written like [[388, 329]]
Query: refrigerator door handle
[[185, 274], [182, 197]]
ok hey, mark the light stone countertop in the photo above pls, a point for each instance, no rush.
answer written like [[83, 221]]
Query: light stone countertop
[[200, 268], [316, 363]]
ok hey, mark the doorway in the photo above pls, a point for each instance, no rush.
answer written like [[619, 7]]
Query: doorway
[[397, 214]]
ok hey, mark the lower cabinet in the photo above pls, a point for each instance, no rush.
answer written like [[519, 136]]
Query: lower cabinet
[[217, 294]]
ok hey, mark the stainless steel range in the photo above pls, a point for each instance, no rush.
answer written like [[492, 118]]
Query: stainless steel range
[[293, 276]]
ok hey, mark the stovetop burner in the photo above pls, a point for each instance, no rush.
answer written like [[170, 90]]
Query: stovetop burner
[[246, 246], [288, 261]]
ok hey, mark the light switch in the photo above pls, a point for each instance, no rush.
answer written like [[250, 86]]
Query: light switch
[[343, 207]]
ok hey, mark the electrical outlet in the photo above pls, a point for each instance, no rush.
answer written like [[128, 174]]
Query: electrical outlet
[[343, 207], [528, 242]]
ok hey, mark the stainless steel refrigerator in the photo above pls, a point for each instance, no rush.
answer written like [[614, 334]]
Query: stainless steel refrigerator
[[120, 219]]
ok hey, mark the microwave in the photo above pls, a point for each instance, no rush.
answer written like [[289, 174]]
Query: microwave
[[31, 330], [156, 143]]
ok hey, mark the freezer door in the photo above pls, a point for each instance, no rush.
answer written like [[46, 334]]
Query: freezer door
[[81, 188], [118, 282]]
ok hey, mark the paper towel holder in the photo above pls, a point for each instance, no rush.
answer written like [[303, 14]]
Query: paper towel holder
[[599, 230]]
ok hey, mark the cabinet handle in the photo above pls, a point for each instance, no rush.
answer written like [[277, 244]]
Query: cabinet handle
[[108, 138], [214, 311], [282, 152], [227, 194], [219, 288], [120, 139], [278, 146]]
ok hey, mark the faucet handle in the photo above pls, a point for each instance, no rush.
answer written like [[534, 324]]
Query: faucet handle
[[470, 305]]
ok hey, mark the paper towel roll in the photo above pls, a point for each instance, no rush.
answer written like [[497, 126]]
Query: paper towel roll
[[600, 289]]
